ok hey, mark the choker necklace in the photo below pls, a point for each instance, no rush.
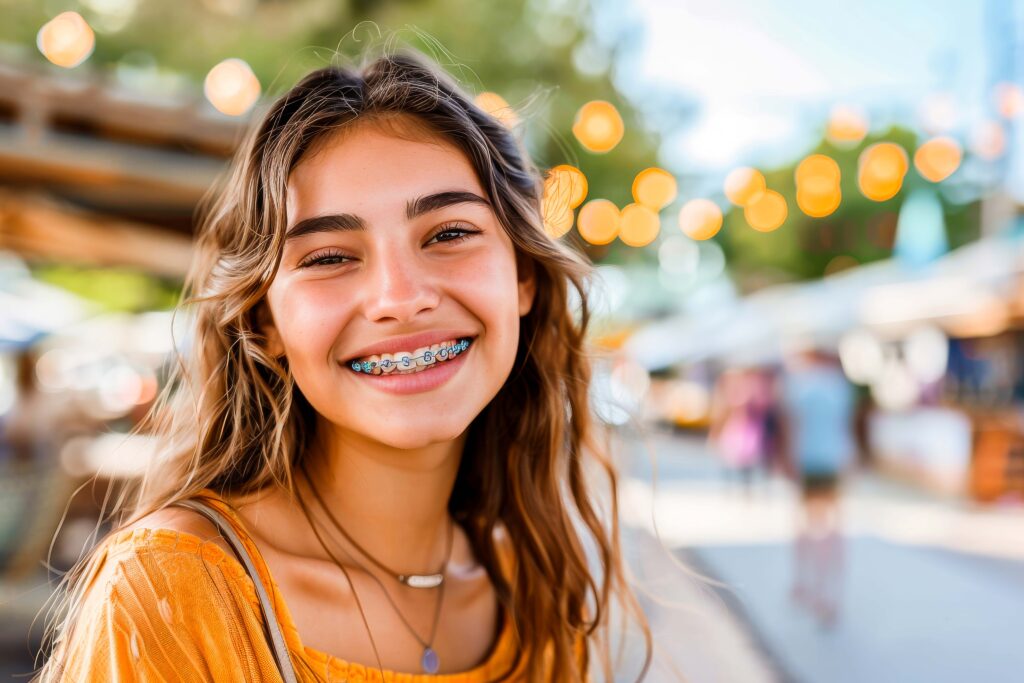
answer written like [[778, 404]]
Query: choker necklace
[[429, 660], [411, 580]]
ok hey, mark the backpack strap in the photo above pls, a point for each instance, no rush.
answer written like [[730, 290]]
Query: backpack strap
[[270, 623]]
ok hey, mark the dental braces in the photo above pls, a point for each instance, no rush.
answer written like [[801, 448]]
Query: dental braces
[[409, 361]]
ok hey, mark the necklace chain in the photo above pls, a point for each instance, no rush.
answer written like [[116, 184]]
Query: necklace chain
[[351, 584], [427, 645], [401, 578]]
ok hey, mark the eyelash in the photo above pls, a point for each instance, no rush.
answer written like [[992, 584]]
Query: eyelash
[[319, 258]]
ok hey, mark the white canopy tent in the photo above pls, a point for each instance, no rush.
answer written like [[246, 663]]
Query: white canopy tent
[[886, 295]]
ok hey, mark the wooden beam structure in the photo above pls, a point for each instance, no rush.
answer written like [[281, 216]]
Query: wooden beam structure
[[93, 173]]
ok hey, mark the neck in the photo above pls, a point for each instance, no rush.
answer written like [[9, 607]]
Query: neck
[[392, 502]]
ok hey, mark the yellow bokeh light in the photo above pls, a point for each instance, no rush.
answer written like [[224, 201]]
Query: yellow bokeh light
[[847, 125], [819, 204], [638, 225], [880, 170], [766, 213], [231, 87], [564, 189], [817, 174], [559, 222], [66, 40], [598, 126], [700, 219], [598, 222], [496, 105], [654, 187], [744, 185], [938, 158], [566, 184]]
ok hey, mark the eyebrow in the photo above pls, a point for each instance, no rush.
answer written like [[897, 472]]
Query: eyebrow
[[413, 209]]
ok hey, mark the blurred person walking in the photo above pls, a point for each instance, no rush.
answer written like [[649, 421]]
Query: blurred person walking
[[819, 404], [739, 423]]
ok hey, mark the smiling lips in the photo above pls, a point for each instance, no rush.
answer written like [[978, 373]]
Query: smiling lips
[[410, 362]]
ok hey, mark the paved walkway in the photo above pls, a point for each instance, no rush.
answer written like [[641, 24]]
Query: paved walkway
[[933, 589]]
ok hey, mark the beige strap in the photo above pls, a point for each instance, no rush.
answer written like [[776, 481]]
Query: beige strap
[[270, 623]]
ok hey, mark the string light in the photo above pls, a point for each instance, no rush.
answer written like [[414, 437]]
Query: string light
[[67, 40], [598, 126]]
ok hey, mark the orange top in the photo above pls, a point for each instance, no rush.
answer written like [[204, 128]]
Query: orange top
[[147, 616]]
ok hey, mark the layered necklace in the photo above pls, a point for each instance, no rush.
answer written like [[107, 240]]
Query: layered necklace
[[429, 660]]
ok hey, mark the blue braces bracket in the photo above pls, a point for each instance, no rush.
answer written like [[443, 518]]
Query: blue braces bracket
[[409, 361]]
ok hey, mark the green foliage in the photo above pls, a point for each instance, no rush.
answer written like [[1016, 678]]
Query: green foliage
[[116, 289]]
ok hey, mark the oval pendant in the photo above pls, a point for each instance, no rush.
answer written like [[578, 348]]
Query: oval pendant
[[431, 663], [422, 580]]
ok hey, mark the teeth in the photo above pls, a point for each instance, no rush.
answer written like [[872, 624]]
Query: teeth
[[405, 362], [424, 356]]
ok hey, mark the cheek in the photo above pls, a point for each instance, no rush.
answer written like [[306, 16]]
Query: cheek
[[489, 289], [308, 319]]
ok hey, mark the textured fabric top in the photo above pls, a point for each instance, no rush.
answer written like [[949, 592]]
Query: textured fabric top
[[163, 605]]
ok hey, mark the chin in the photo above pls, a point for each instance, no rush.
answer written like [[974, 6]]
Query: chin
[[412, 438]]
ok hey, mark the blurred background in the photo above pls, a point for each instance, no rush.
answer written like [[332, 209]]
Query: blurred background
[[807, 222]]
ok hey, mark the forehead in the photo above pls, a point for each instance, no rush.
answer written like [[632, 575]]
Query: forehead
[[374, 167]]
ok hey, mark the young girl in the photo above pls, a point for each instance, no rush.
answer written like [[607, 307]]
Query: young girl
[[386, 398]]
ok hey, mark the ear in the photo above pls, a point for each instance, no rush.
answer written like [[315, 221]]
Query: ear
[[265, 323], [527, 276]]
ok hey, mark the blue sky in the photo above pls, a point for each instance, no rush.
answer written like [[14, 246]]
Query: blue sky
[[765, 73]]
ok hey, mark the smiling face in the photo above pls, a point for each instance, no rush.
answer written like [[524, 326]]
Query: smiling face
[[408, 250]]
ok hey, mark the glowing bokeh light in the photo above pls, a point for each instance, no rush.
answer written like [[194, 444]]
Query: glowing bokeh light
[[861, 355], [766, 213], [847, 125], [1009, 100], [881, 169], [817, 185], [744, 185], [231, 87], [988, 140], [938, 158], [700, 219], [496, 105], [558, 221], [598, 221], [566, 184], [654, 187], [598, 126], [817, 174], [564, 189], [638, 225], [819, 204], [67, 40]]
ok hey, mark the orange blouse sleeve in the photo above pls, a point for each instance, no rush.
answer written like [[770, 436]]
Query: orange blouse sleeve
[[162, 605]]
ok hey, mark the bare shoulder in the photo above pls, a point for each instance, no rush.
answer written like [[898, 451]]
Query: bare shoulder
[[186, 521]]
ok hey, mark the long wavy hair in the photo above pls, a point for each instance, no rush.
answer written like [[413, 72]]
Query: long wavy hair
[[232, 419]]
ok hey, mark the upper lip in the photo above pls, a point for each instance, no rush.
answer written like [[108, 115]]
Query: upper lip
[[410, 342]]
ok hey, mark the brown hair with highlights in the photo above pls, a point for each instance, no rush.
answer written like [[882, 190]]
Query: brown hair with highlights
[[233, 420]]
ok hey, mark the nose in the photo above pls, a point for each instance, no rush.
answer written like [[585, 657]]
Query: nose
[[398, 286]]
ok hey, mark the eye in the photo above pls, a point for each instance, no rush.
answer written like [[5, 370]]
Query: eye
[[459, 231], [327, 257]]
